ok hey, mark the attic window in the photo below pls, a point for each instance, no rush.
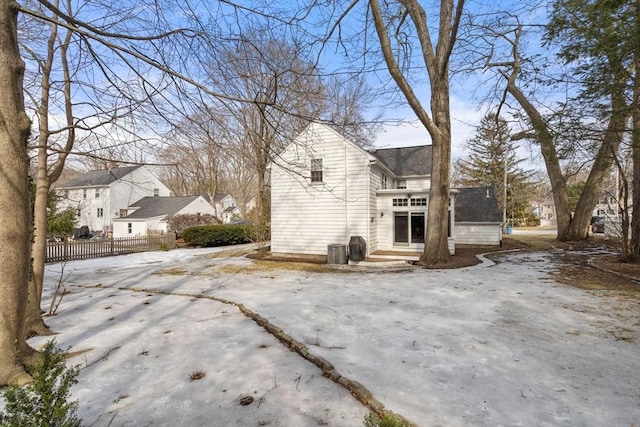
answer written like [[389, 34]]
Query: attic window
[[385, 184], [401, 183], [156, 192], [316, 170], [84, 193], [97, 193]]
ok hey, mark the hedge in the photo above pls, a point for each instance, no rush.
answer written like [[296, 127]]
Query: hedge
[[217, 235]]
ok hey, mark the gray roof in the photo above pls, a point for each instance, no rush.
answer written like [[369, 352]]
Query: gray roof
[[478, 204], [149, 207], [406, 161], [99, 178]]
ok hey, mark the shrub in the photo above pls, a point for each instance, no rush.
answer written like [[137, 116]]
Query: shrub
[[178, 223], [218, 235], [45, 402], [386, 420]]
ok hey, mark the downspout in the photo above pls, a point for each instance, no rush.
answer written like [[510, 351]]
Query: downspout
[[369, 217], [346, 193]]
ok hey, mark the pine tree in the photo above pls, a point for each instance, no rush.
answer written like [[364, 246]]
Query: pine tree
[[490, 152]]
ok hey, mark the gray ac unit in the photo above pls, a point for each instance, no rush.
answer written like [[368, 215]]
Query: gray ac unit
[[336, 254]]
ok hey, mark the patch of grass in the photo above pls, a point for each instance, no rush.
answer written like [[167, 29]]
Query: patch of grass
[[172, 272], [386, 420], [197, 375]]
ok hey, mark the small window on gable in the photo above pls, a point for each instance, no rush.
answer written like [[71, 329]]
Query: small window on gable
[[401, 183], [385, 184], [84, 193], [129, 228], [156, 192], [316, 170], [97, 193]]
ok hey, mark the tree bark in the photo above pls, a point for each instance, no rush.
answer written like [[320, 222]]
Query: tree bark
[[581, 221], [635, 143], [15, 212]]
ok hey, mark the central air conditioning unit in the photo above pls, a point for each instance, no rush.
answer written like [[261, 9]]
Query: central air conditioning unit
[[336, 254]]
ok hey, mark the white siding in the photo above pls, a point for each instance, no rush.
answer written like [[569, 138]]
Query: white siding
[[198, 206], [133, 187], [478, 234], [121, 228], [306, 217]]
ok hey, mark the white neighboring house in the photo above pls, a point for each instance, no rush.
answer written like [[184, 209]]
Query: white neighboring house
[[100, 196], [326, 189], [226, 207], [150, 214]]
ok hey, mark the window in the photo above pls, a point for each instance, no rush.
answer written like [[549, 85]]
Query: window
[[400, 202], [100, 212], [316, 170], [419, 201], [79, 212], [401, 183], [129, 228], [156, 192], [123, 213], [385, 184], [97, 193], [84, 193]]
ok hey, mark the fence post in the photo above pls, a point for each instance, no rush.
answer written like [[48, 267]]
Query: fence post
[[66, 249]]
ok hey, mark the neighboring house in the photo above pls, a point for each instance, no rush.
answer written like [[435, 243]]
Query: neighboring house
[[150, 214], [546, 211], [478, 220], [225, 207], [325, 190], [100, 196]]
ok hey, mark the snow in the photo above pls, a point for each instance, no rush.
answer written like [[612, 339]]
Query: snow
[[491, 345]]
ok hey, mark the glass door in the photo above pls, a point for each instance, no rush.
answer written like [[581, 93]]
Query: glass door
[[400, 228], [417, 227]]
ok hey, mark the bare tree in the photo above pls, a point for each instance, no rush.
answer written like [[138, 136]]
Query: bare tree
[[409, 17], [15, 213], [139, 52]]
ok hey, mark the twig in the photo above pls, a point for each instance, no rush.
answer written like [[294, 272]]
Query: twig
[[106, 356]]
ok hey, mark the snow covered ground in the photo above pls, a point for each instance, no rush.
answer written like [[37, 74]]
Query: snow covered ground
[[498, 345]]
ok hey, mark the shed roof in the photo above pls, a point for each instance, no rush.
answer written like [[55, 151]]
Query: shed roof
[[150, 207], [406, 161], [477, 204], [99, 178]]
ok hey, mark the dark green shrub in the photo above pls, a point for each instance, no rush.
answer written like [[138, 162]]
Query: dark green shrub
[[217, 235], [45, 402]]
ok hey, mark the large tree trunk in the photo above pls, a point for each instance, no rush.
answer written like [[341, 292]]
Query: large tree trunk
[[550, 155], [635, 144], [436, 244], [15, 213], [581, 221]]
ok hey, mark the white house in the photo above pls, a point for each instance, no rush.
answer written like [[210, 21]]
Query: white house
[[226, 207], [325, 190], [100, 196], [150, 214]]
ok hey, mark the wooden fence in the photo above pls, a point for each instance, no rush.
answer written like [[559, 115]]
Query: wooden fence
[[97, 248]]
